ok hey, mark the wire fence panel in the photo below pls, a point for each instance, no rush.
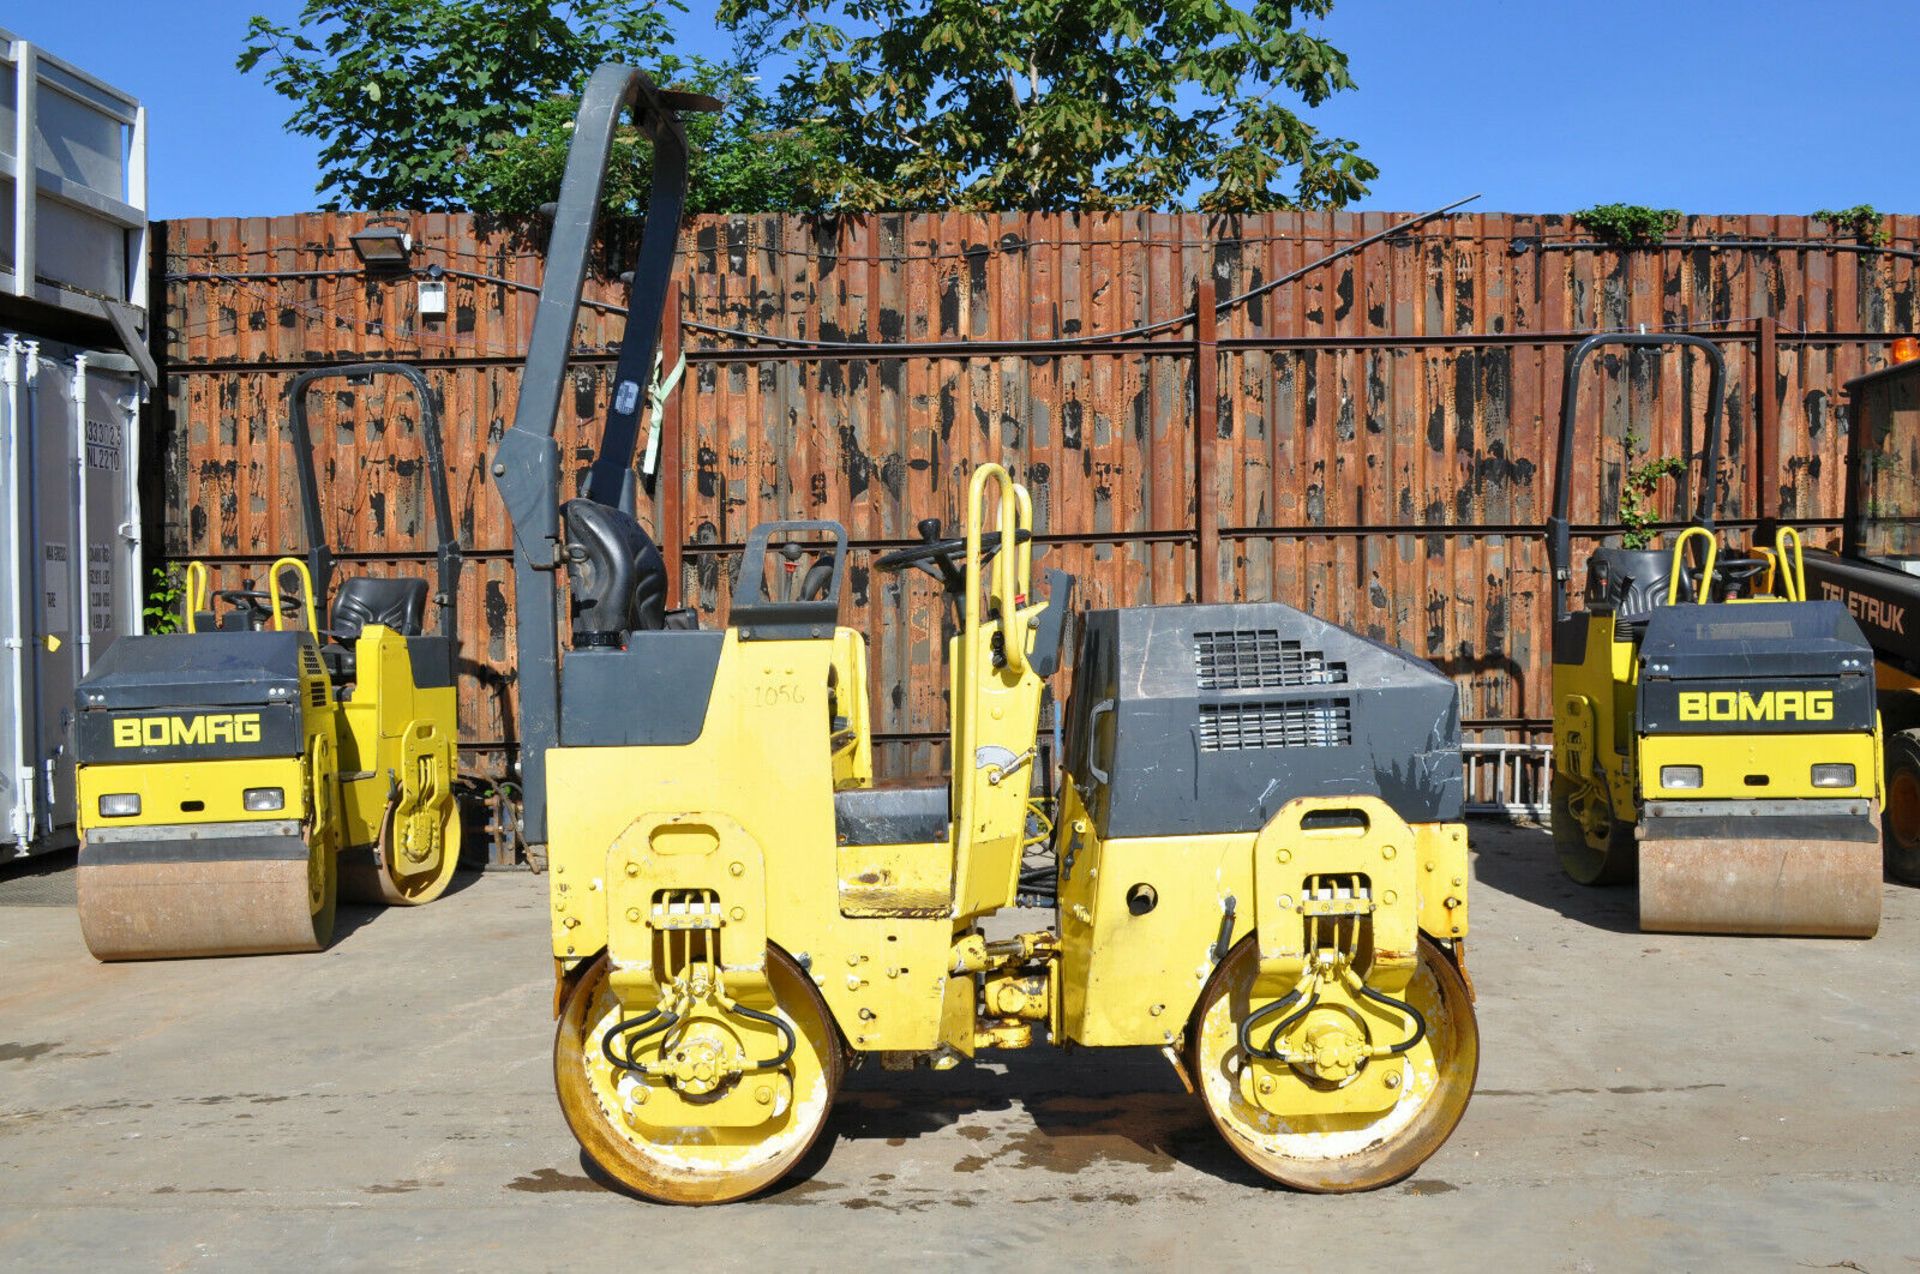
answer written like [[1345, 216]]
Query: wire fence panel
[[1378, 445]]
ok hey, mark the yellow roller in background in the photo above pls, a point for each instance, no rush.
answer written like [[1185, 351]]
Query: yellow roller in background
[[237, 776], [1715, 733]]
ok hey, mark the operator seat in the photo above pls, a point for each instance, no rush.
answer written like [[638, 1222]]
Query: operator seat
[[1632, 581], [618, 577], [399, 604]]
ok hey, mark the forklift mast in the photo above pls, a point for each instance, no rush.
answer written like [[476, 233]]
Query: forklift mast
[[527, 464]]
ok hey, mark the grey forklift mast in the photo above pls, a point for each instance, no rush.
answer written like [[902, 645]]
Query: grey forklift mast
[[446, 548], [1559, 533], [527, 465]]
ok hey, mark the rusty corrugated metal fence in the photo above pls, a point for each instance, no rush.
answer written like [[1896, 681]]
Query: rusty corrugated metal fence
[[1373, 443]]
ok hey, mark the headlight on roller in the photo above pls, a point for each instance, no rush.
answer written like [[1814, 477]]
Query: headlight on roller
[[264, 800], [1834, 775], [1680, 776], [120, 805]]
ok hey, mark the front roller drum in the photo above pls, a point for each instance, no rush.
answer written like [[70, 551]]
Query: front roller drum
[[385, 875], [1600, 852], [1773, 885], [697, 1163], [205, 894], [1340, 1153]]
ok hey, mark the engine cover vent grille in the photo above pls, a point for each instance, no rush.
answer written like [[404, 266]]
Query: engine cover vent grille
[[1297, 723], [1258, 659], [315, 674]]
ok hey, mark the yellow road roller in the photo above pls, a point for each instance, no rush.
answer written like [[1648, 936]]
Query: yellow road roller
[[1259, 860], [234, 776], [1715, 733]]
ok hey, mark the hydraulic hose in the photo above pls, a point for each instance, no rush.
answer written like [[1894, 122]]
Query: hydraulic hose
[[1419, 1022], [1268, 1053], [666, 1021], [778, 1024], [627, 1024]]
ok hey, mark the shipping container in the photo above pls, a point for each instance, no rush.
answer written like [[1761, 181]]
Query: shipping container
[[73, 188], [70, 563]]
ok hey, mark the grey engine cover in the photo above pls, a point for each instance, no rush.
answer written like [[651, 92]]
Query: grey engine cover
[[1197, 719]]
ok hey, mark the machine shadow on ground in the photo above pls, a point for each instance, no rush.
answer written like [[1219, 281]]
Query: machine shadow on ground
[[31, 877], [1054, 1111], [1072, 1109], [355, 916], [1519, 860]]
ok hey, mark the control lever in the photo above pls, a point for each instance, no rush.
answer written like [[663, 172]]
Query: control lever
[[789, 564]]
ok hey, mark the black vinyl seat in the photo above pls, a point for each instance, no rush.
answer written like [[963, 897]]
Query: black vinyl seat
[[1632, 581], [890, 815], [399, 604], [618, 577]]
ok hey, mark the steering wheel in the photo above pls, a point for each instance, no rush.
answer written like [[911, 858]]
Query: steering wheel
[[1729, 573], [258, 601], [941, 557]]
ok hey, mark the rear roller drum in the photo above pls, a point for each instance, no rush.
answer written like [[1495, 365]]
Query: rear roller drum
[[1339, 1153], [694, 1164], [1902, 820], [1592, 855], [376, 874]]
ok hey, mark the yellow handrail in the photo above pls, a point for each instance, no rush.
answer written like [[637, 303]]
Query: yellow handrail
[[1793, 567], [1004, 585], [994, 687], [198, 597], [1023, 521], [306, 588], [1706, 574]]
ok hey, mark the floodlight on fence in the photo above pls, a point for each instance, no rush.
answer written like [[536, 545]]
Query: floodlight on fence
[[382, 247]]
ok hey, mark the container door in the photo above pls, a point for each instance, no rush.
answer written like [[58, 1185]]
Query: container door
[[57, 556], [69, 567], [16, 766], [114, 593]]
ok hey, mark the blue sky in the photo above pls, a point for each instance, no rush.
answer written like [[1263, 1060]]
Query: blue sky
[[1764, 106]]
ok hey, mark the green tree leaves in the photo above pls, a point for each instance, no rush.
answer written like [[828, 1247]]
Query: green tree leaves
[[435, 104], [890, 104], [1049, 104]]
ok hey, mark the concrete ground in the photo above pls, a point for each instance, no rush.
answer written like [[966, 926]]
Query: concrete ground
[[1644, 1101]]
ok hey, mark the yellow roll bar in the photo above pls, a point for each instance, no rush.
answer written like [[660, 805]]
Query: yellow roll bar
[[1023, 521], [306, 588], [1793, 565], [199, 592], [1706, 575], [1011, 565]]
